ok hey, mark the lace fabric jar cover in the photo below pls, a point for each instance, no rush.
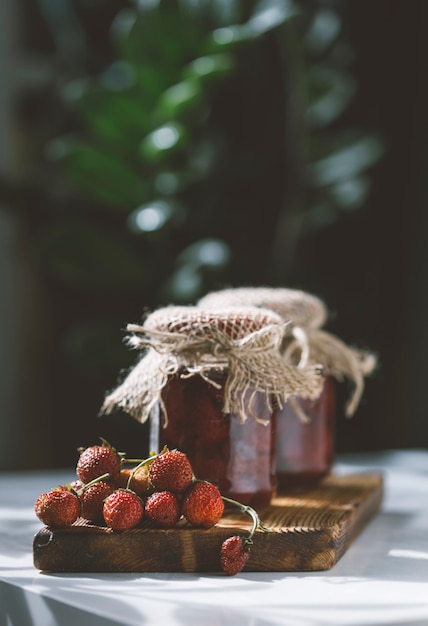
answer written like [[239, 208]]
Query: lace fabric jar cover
[[305, 428], [209, 381]]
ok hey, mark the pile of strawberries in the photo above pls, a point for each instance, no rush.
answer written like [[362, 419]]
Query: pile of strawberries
[[161, 489]]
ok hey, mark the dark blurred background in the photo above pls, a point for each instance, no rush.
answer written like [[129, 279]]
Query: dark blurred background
[[153, 151]]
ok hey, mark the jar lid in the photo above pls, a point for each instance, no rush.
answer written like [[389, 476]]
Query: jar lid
[[234, 322], [307, 342], [300, 308]]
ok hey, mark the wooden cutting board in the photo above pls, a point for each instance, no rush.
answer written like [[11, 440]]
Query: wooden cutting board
[[311, 530]]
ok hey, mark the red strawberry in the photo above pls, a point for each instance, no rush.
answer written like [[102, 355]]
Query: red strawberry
[[96, 461], [202, 505], [163, 509], [140, 482], [92, 499], [233, 555], [171, 471], [123, 509], [58, 507], [76, 485]]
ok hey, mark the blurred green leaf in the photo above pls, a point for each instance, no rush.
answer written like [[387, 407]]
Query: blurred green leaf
[[122, 25], [351, 193], [269, 14], [121, 117], [202, 155], [81, 254], [196, 266], [181, 99], [228, 37], [99, 175], [210, 67], [213, 253], [118, 76], [346, 161], [330, 92], [185, 285], [169, 182], [155, 217], [326, 206], [160, 37], [323, 31], [163, 141], [217, 12], [147, 5]]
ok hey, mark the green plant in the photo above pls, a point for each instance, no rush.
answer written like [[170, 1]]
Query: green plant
[[197, 144]]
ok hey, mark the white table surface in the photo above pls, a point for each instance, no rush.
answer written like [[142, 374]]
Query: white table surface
[[381, 579]]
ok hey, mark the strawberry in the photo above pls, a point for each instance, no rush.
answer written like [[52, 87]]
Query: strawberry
[[97, 460], [139, 482], [233, 555], [92, 498], [76, 485], [58, 507], [171, 471], [202, 505], [163, 509], [123, 509]]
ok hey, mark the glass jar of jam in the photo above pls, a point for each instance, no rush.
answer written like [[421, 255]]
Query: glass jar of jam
[[211, 408], [210, 382], [305, 428], [305, 443]]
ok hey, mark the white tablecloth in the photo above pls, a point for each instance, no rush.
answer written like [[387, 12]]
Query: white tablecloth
[[381, 579]]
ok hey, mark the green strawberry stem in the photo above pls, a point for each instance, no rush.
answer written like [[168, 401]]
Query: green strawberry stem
[[257, 524], [152, 455], [141, 463], [93, 482]]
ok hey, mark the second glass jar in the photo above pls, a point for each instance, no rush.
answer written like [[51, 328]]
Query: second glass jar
[[305, 448]]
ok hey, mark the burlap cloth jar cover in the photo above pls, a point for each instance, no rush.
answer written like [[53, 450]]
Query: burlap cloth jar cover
[[214, 378], [305, 427]]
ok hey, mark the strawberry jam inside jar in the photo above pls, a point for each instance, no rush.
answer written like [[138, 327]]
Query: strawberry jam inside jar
[[305, 443], [239, 458]]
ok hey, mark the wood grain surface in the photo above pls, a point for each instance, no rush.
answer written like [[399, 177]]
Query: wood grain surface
[[310, 530]]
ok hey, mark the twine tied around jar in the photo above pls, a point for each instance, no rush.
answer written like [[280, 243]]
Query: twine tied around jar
[[244, 342], [338, 360], [306, 342]]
